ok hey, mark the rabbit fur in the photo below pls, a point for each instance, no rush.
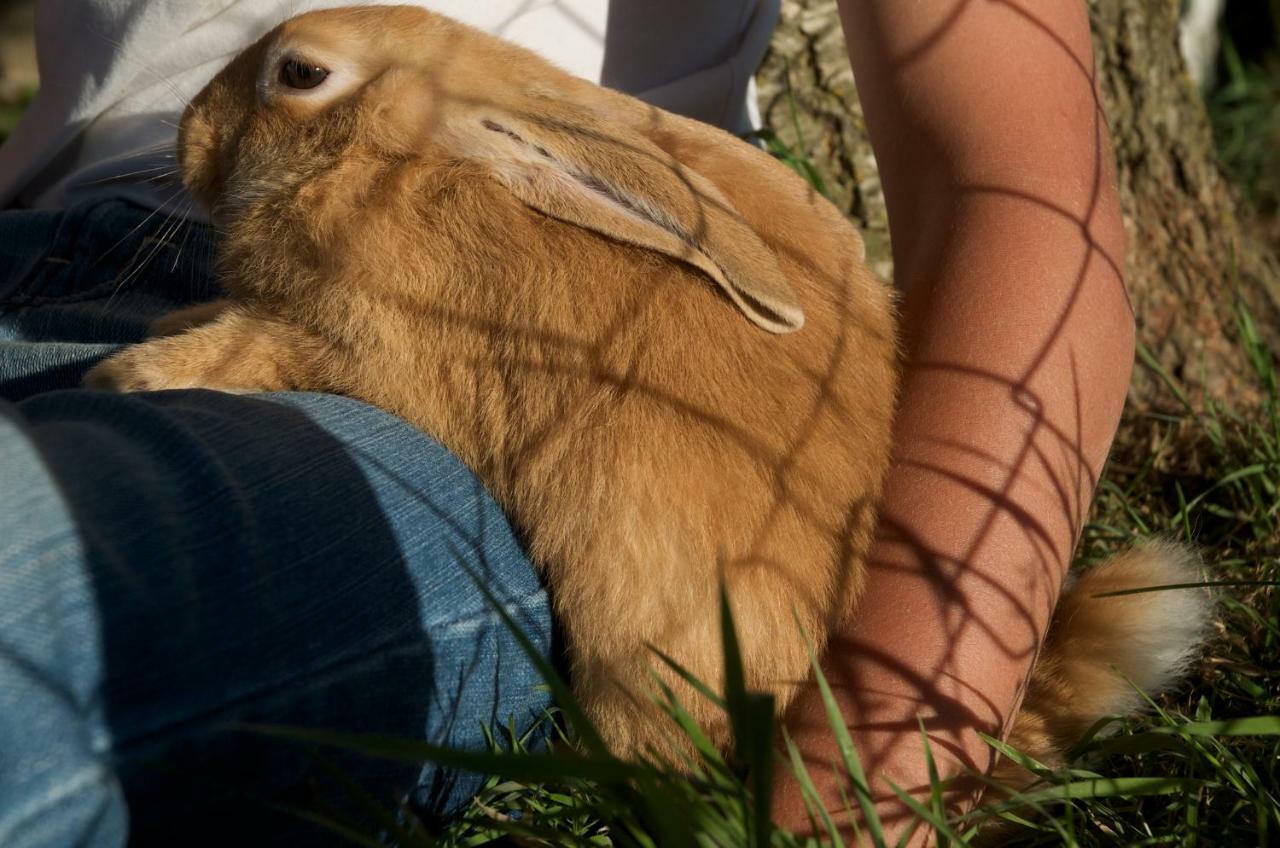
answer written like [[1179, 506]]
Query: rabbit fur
[[658, 347]]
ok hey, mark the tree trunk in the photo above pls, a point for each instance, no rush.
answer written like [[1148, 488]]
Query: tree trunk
[[1193, 246]]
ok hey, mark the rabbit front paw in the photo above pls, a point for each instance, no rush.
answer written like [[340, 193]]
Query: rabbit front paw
[[136, 369]]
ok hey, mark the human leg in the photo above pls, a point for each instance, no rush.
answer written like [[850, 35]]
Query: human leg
[[288, 559]]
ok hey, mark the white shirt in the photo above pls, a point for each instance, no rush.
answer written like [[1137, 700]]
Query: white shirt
[[115, 74]]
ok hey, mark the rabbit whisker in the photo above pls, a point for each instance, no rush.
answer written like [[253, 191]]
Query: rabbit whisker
[[158, 173], [166, 231], [137, 227]]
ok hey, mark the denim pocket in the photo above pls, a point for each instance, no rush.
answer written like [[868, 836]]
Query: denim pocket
[[26, 237], [98, 273], [76, 284]]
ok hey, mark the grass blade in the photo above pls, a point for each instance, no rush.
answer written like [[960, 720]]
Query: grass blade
[[554, 766], [848, 754], [586, 730]]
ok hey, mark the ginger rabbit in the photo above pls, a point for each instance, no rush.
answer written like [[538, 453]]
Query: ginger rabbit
[[657, 346]]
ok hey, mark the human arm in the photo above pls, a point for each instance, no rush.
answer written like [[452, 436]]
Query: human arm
[[1019, 338]]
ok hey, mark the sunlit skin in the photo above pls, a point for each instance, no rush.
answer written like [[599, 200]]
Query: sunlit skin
[[1009, 244]]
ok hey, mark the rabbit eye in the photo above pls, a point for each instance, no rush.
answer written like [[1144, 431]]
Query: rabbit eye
[[298, 74]]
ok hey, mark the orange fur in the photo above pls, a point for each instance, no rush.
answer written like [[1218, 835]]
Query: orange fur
[[657, 346], [1100, 648]]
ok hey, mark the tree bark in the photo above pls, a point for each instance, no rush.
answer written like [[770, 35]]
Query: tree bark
[[1193, 245]]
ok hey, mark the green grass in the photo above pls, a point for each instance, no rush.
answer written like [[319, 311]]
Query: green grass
[[1200, 768], [1245, 113], [11, 110]]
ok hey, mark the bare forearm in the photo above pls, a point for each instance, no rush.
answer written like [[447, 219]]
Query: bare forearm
[[1008, 242]]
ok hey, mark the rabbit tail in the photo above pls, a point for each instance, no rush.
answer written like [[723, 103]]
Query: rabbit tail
[[1102, 645]]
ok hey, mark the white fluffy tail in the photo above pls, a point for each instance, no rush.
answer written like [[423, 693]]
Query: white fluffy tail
[[1099, 648]]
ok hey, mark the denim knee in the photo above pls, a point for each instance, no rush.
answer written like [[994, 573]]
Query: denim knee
[[283, 559], [57, 786]]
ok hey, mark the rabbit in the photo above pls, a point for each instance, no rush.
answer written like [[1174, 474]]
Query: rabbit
[[659, 348]]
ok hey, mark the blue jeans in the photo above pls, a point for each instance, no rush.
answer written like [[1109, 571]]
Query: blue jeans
[[176, 562]]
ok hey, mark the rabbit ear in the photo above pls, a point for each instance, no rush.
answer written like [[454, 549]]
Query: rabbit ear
[[623, 186]]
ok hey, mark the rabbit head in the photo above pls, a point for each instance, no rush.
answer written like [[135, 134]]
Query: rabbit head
[[378, 84]]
